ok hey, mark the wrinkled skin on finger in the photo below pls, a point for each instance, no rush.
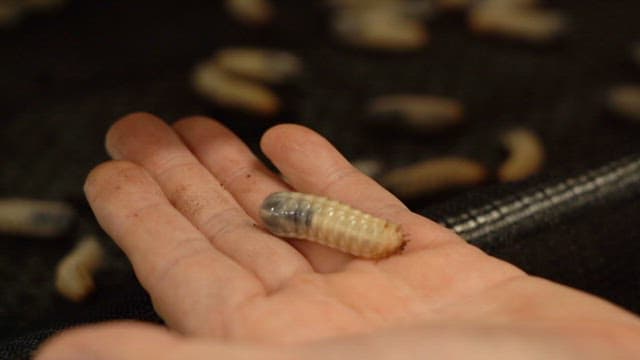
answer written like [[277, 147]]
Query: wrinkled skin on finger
[[182, 202]]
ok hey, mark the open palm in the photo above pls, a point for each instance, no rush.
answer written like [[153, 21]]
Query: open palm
[[183, 204]]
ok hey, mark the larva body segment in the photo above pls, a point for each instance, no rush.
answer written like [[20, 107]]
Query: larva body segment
[[271, 66], [231, 91], [380, 28], [517, 19], [624, 100], [74, 273], [433, 175], [331, 223], [38, 218], [526, 155], [417, 112], [251, 12]]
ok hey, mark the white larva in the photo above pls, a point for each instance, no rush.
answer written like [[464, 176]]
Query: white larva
[[624, 100], [433, 175], [332, 224], [513, 20], [232, 91], [38, 218], [271, 66], [526, 155], [251, 12], [379, 28], [74, 273], [419, 112]]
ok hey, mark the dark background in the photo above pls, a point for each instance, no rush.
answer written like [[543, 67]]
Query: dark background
[[66, 76]]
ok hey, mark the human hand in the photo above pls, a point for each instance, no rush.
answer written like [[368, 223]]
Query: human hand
[[183, 203]]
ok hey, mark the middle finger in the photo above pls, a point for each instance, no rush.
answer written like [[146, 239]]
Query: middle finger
[[247, 179]]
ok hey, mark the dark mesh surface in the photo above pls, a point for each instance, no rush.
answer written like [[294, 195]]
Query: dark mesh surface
[[67, 76], [588, 241]]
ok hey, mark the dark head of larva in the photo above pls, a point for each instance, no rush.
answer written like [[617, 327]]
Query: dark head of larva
[[286, 214]]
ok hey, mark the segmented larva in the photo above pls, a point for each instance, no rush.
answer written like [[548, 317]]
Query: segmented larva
[[271, 66], [624, 100], [232, 91], [74, 273], [37, 218], [380, 28], [331, 223], [419, 112], [251, 12], [433, 175], [526, 155], [517, 19]]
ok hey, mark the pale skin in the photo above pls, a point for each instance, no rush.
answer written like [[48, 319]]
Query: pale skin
[[182, 202]]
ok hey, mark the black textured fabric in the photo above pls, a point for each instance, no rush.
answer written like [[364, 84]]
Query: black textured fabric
[[516, 213], [67, 76], [587, 240]]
